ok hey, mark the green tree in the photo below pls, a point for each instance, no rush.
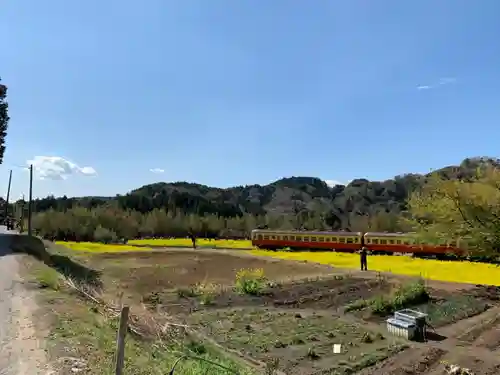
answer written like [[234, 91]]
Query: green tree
[[466, 209], [4, 119]]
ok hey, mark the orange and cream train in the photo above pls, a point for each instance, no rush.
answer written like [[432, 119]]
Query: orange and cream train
[[377, 243]]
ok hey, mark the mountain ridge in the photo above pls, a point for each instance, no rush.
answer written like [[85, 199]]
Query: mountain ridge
[[295, 196]]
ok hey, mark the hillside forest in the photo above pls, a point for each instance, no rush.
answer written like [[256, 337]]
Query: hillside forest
[[301, 203]]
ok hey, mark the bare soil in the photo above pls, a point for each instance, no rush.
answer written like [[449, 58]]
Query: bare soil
[[300, 316]]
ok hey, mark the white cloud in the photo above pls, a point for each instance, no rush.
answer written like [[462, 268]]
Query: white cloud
[[57, 168], [157, 170], [441, 82], [446, 81]]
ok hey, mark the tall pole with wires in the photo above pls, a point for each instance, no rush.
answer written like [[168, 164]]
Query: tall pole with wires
[[30, 203]]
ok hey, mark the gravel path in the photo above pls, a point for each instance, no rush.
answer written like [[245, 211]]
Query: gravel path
[[20, 352]]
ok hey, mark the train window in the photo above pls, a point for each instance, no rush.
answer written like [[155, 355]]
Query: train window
[[334, 239], [292, 238], [273, 237], [391, 242], [320, 239], [374, 241], [313, 239], [285, 238], [298, 238], [406, 242], [259, 236], [383, 242], [398, 242], [266, 237], [306, 239], [350, 240], [341, 240]]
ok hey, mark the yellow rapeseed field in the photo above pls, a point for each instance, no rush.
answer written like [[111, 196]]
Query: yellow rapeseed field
[[186, 242], [463, 272], [99, 247]]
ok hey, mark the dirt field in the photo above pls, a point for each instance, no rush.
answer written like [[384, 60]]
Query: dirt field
[[294, 322]]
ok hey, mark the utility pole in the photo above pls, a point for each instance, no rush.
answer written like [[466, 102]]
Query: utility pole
[[30, 203], [8, 195], [21, 216]]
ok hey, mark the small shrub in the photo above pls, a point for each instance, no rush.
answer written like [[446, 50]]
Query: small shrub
[[154, 299], [381, 305], [187, 292], [406, 295], [272, 366], [367, 338], [196, 347], [206, 293], [250, 281], [312, 354], [360, 304]]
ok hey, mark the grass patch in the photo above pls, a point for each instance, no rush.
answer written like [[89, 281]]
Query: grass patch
[[405, 295], [47, 277], [452, 309], [205, 292]]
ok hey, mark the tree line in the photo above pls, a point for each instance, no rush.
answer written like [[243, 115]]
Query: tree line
[[111, 224], [441, 209]]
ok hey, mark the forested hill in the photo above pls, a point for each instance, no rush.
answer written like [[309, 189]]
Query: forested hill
[[294, 196]]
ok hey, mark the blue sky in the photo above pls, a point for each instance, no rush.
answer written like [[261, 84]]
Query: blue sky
[[226, 92]]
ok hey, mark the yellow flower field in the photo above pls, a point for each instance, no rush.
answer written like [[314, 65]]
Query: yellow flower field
[[99, 247], [186, 242], [463, 272]]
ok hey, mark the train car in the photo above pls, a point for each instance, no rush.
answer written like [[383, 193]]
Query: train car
[[390, 243], [387, 243], [306, 240], [376, 242]]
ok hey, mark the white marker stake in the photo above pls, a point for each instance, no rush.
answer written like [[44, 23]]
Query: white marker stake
[[337, 348]]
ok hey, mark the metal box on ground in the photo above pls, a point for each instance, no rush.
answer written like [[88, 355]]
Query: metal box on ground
[[401, 328], [417, 318]]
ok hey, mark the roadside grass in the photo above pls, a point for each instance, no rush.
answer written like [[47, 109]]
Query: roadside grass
[[82, 335]]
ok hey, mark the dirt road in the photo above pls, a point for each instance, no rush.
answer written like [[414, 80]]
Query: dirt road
[[20, 350]]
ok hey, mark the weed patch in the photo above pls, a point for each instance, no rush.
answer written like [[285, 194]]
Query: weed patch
[[406, 295]]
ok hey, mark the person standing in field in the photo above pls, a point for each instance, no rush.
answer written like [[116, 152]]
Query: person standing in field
[[193, 239], [363, 258]]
